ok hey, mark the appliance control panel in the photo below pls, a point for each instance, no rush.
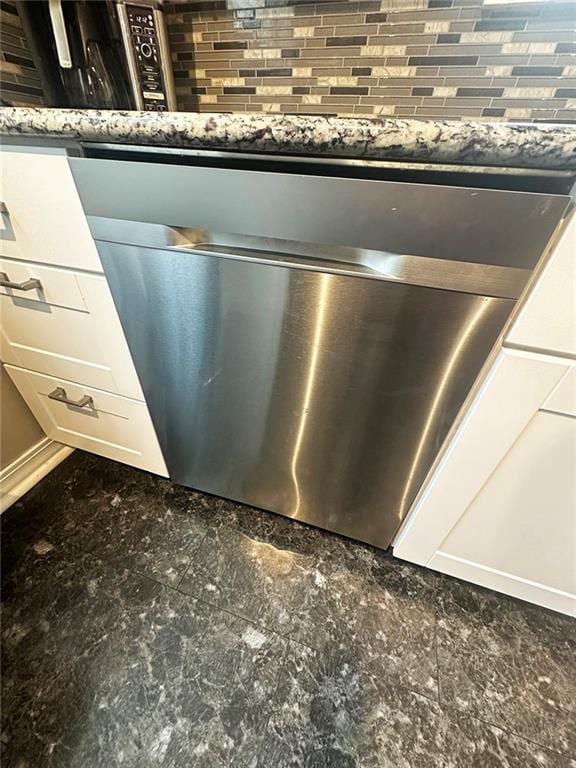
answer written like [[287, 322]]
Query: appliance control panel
[[144, 38]]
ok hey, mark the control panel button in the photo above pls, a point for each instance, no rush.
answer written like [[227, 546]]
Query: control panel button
[[146, 51]]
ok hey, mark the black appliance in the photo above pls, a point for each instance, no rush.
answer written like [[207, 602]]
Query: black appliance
[[101, 54]]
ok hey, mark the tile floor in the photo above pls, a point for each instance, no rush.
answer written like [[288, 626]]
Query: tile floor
[[144, 624]]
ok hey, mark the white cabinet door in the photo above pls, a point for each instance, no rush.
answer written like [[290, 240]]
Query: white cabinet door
[[523, 521], [563, 398], [504, 489], [547, 320], [44, 220]]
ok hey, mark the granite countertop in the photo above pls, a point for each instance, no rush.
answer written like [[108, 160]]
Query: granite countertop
[[437, 141]]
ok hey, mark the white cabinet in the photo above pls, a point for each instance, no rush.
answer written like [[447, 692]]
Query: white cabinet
[[75, 334], [563, 398], [520, 521], [43, 218], [60, 332], [500, 508], [59, 287], [547, 320], [88, 418]]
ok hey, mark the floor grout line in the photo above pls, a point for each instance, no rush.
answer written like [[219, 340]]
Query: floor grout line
[[447, 709], [217, 609], [192, 559]]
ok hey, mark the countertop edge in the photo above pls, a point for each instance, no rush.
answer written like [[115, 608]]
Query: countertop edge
[[522, 145]]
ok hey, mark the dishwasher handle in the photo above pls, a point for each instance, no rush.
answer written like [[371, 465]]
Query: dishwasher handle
[[481, 279], [458, 276]]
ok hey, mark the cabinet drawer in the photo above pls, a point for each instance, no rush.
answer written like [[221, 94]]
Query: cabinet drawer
[[109, 425], [44, 220], [83, 345], [56, 286], [563, 398]]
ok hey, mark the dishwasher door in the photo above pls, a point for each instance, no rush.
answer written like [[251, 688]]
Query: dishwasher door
[[317, 395]]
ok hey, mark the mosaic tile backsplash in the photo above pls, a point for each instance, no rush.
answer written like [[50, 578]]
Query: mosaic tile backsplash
[[453, 59], [19, 81]]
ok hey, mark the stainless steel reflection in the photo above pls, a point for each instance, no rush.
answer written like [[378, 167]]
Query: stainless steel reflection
[[321, 396], [463, 276]]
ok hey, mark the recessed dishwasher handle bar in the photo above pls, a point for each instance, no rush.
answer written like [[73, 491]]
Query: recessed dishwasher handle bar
[[481, 279]]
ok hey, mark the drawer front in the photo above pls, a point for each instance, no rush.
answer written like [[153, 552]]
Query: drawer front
[[83, 346], [55, 286], [44, 220], [563, 398], [109, 425]]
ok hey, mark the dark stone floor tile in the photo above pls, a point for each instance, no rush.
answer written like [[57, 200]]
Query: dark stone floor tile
[[24, 563], [102, 666], [138, 520], [153, 527], [59, 506], [106, 668], [247, 567], [322, 590], [510, 663], [396, 629], [329, 714]]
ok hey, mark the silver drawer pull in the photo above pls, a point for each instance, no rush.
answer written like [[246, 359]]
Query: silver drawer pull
[[59, 394], [27, 285]]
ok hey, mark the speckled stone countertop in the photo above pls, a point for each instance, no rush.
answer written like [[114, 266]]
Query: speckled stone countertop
[[439, 141]]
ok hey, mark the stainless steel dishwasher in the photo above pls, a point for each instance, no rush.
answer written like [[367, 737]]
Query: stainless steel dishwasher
[[305, 343]]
